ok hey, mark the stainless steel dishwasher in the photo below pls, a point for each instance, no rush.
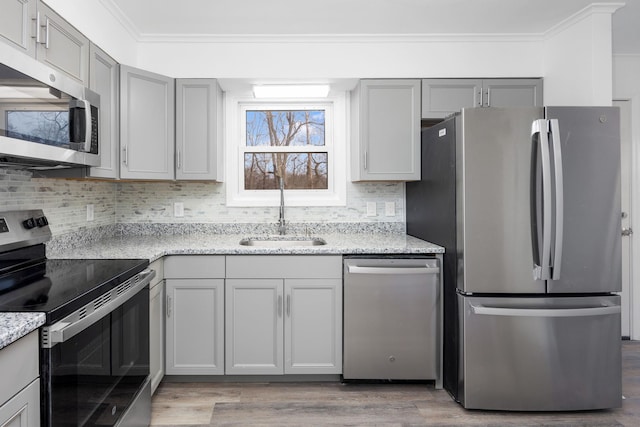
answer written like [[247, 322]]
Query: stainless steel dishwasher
[[392, 319]]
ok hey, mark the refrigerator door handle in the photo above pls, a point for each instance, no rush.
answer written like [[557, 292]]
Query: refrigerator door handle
[[545, 312], [539, 128], [554, 129]]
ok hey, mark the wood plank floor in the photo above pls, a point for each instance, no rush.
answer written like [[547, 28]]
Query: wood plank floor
[[335, 404]]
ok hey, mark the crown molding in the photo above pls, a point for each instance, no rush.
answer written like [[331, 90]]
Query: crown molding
[[122, 18], [592, 9], [337, 38]]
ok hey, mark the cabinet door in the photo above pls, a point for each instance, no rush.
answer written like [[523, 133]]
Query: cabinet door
[[146, 125], [103, 79], [156, 334], [313, 326], [195, 316], [442, 97], [23, 409], [388, 145], [254, 326], [512, 93], [16, 28], [62, 46], [198, 129]]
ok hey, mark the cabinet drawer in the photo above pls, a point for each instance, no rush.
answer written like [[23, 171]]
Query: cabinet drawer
[[284, 267], [18, 365], [194, 267]]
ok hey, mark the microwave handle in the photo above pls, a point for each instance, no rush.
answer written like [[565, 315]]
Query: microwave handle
[[88, 124]]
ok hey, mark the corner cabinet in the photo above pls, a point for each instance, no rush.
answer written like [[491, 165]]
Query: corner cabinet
[[442, 97], [16, 24], [283, 315], [194, 314], [34, 28], [386, 130], [147, 123], [198, 130], [103, 79]]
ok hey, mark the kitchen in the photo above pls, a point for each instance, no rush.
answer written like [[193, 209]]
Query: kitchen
[[117, 204]]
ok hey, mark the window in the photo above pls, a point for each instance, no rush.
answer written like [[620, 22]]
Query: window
[[302, 142]]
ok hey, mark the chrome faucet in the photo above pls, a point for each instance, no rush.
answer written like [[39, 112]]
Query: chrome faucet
[[282, 229]]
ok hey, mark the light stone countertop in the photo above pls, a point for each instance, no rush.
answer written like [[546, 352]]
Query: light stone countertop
[[154, 247], [14, 326]]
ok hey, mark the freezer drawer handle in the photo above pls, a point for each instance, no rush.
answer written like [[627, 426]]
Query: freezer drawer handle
[[354, 269], [545, 312]]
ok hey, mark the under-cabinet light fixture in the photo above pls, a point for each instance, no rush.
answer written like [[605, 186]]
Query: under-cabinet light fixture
[[290, 91]]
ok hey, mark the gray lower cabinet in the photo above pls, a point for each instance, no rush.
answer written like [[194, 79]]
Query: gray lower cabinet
[[104, 74], [442, 97], [147, 123], [156, 324], [194, 315], [283, 315], [385, 116], [199, 130], [20, 385]]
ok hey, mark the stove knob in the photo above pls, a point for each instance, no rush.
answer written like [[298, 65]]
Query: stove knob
[[29, 223], [42, 221]]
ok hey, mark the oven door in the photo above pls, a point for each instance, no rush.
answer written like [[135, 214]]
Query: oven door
[[93, 377]]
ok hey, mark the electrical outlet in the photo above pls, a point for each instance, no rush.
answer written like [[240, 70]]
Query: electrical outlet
[[178, 209], [372, 209], [90, 212], [390, 208]]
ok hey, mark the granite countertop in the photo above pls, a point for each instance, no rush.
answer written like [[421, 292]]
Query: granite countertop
[[154, 247], [14, 326]]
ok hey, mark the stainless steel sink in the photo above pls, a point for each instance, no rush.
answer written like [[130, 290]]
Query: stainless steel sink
[[282, 241]]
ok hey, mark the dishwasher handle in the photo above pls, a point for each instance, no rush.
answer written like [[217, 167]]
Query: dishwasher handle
[[356, 269]]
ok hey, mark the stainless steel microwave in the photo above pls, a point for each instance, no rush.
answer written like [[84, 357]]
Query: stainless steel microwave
[[47, 120]]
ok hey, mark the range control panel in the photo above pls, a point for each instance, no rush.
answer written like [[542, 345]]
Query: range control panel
[[23, 228]]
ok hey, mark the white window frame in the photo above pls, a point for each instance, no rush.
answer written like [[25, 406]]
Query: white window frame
[[335, 107]]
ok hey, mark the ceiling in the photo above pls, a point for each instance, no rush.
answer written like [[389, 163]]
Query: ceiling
[[167, 19]]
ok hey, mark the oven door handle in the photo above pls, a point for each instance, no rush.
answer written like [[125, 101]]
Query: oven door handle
[[76, 322]]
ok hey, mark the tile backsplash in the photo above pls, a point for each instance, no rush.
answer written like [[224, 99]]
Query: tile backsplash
[[64, 202]]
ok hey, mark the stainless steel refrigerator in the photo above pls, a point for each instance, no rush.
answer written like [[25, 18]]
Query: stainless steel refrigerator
[[526, 202]]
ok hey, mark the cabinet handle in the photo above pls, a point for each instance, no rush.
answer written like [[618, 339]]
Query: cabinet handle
[[488, 97], [37, 19], [288, 305], [125, 156], [178, 160], [480, 93], [168, 306], [279, 305], [366, 154], [46, 34]]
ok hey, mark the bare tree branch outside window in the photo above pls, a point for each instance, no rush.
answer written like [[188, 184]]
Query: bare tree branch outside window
[[288, 144]]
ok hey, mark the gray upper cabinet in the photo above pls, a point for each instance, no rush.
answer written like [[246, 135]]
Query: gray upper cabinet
[[103, 79], [147, 104], [61, 46], [34, 28], [16, 24], [198, 130], [442, 97], [385, 130]]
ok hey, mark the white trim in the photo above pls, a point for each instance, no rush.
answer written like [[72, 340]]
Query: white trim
[[336, 134], [606, 8]]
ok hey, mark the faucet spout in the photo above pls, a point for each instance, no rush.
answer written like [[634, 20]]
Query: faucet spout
[[282, 229]]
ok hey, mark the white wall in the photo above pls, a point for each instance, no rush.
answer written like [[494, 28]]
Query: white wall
[[578, 61]]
